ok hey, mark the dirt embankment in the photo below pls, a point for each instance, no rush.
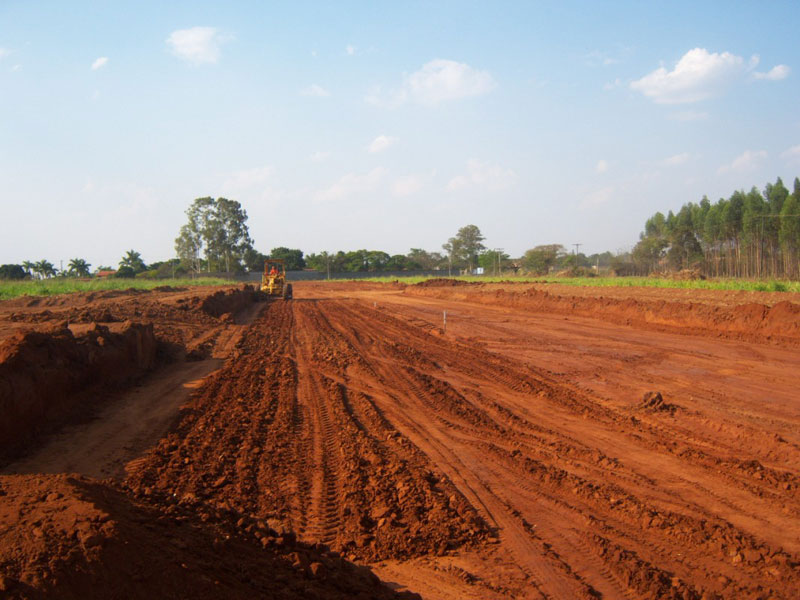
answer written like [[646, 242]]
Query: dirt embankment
[[70, 537], [49, 377], [778, 323], [57, 362]]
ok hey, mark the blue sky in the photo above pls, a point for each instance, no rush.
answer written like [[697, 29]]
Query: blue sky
[[384, 125]]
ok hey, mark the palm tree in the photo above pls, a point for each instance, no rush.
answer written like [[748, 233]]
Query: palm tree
[[44, 268], [29, 267], [133, 260], [79, 267]]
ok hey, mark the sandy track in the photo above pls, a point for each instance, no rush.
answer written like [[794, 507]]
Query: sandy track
[[351, 401]]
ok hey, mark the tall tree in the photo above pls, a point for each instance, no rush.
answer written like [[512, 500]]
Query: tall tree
[[78, 267], [219, 229], [465, 246], [133, 260], [293, 257], [45, 269]]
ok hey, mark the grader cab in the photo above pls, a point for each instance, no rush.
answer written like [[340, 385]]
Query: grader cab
[[273, 280]]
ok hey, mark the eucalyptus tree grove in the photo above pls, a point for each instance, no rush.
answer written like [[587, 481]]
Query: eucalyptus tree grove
[[749, 234]]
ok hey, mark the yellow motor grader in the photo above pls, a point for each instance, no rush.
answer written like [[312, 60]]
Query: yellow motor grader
[[273, 280]]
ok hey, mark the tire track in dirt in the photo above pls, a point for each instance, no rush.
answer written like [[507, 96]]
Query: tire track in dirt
[[664, 551]]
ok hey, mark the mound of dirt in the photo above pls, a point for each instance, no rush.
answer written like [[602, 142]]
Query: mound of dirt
[[228, 301], [45, 375], [65, 536], [442, 282], [654, 402]]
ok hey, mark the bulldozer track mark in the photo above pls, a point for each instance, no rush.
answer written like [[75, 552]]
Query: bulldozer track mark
[[380, 437]]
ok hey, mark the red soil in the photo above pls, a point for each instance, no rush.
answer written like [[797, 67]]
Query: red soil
[[561, 443]]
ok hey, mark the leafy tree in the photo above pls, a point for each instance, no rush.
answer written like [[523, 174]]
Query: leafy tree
[[219, 229], [78, 267], [493, 261], [12, 272], [422, 259], [29, 267], [292, 256], [125, 272], [540, 259], [253, 260], [133, 260], [465, 246]]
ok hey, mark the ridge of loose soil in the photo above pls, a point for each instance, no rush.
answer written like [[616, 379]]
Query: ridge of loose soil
[[68, 536]]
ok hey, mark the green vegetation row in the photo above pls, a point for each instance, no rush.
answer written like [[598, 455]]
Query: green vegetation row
[[630, 281], [51, 287], [750, 234]]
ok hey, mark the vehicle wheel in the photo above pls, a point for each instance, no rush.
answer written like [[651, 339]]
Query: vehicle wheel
[[287, 291]]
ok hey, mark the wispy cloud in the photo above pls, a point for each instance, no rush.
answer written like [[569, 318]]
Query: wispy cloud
[[350, 50], [601, 166], [776, 73], [792, 154], [197, 45], [99, 63], [319, 156], [315, 90], [381, 143], [4, 52], [438, 81], [485, 175], [597, 197], [746, 161], [407, 185], [351, 185], [675, 160]]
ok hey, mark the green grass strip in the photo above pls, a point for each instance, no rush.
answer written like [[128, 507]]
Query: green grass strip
[[62, 285]]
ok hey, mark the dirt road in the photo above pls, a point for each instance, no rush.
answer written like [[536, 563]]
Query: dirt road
[[531, 450], [533, 423]]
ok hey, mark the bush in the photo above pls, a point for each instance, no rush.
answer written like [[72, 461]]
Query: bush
[[12, 272]]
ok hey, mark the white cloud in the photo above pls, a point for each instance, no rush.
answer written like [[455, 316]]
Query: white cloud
[[674, 161], [748, 160], [319, 156], [437, 81], [351, 185], [4, 52], [100, 63], [316, 90], [350, 49], [792, 154], [480, 174], [698, 75], [197, 45], [601, 166], [776, 73], [407, 185], [612, 84], [381, 143]]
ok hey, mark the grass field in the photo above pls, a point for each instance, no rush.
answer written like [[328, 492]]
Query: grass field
[[699, 284], [52, 287]]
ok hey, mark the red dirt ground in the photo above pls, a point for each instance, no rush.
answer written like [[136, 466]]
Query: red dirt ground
[[553, 442]]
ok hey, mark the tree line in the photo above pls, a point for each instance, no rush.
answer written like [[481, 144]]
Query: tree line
[[750, 234]]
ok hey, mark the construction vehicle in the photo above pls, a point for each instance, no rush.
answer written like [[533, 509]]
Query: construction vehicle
[[273, 280]]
